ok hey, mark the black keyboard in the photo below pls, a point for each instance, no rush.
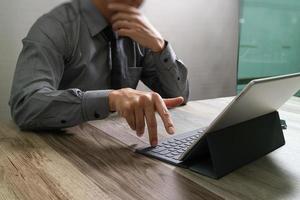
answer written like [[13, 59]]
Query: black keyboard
[[174, 148]]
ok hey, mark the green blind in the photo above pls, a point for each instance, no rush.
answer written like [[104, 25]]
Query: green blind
[[269, 39]]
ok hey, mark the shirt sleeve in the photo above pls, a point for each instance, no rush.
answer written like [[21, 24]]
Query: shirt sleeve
[[164, 73], [36, 102]]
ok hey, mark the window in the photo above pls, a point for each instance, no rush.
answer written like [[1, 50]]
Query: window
[[269, 39]]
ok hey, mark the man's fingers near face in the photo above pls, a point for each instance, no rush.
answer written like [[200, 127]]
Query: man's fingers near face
[[126, 17], [120, 7], [126, 32], [125, 25]]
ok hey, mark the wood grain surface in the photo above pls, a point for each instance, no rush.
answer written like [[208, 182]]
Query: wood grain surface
[[96, 160], [84, 163]]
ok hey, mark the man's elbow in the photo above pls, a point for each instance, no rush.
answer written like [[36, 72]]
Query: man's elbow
[[22, 121], [22, 117]]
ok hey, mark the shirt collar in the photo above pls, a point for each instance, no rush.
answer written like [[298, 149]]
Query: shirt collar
[[92, 16]]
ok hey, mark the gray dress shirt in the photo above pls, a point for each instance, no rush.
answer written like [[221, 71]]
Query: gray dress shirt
[[62, 76]]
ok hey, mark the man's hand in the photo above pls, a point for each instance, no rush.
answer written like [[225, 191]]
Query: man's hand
[[136, 106], [129, 22]]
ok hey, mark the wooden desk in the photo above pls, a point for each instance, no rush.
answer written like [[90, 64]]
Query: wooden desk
[[96, 161]]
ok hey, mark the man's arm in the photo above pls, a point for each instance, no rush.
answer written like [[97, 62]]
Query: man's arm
[[165, 74], [162, 72], [36, 103]]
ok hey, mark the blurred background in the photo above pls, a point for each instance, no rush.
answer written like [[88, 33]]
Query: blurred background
[[270, 39], [204, 34]]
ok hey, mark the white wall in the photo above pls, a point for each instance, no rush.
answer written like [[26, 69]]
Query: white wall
[[203, 33]]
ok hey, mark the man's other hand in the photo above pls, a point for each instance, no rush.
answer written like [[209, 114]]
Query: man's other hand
[[129, 22], [137, 106]]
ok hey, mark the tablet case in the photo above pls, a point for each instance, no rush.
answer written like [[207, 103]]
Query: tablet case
[[237, 145]]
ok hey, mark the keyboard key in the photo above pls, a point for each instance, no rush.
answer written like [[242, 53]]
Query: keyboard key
[[167, 143], [172, 149], [171, 140], [169, 155], [164, 152], [177, 157], [178, 142], [180, 151], [158, 149], [177, 139]]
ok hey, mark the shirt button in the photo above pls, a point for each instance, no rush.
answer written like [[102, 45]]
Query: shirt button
[[166, 60], [79, 93], [97, 115]]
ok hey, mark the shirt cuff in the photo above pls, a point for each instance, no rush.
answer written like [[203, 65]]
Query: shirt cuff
[[95, 105], [166, 58]]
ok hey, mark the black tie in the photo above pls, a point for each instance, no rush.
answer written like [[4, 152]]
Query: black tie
[[117, 58]]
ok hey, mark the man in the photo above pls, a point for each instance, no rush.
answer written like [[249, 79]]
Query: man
[[84, 59]]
